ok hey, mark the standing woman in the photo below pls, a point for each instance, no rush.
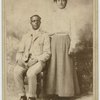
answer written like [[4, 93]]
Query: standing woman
[[61, 79]]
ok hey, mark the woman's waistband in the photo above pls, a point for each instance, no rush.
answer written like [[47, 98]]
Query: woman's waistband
[[62, 34]]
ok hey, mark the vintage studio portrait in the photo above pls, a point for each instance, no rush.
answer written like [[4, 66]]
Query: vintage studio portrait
[[48, 50]]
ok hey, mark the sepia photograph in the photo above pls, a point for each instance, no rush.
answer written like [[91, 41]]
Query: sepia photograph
[[50, 50]]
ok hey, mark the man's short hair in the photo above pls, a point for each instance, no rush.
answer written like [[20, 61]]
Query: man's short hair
[[56, 0], [35, 16]]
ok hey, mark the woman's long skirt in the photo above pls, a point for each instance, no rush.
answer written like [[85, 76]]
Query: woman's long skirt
[[61, 78]]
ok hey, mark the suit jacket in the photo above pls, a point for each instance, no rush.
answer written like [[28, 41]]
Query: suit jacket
[[36, 44]]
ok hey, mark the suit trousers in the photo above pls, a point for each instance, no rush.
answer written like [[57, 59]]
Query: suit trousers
[[19, 73]]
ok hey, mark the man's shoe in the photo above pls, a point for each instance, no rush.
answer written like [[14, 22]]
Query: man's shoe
[[31, 98], [23, 98]]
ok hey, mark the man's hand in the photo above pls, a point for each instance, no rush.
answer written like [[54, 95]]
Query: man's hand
[[22, 64], [32, 62]]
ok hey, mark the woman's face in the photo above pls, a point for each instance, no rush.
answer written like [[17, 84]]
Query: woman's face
[[61, 3]]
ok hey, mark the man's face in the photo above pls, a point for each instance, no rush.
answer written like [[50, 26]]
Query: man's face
[[35, 22], [61, 3]]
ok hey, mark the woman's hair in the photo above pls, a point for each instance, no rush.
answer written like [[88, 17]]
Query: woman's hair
[[56, 0]]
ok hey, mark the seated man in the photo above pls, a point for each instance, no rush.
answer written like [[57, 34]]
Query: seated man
[[34, 51]]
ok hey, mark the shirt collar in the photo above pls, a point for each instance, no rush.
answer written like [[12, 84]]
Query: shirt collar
[[35, 32]]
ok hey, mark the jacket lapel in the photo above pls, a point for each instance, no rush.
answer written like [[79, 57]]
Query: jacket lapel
[[31, 40], [36, 36]]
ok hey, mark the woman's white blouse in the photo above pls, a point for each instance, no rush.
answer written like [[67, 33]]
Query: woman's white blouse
[[59, 22]]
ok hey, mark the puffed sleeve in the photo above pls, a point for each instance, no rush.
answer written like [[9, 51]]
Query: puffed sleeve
[[46, 50], [73, 36], [21, 49]]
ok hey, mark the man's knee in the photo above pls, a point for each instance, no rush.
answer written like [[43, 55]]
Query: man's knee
[[31, 74], [34, 70]]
